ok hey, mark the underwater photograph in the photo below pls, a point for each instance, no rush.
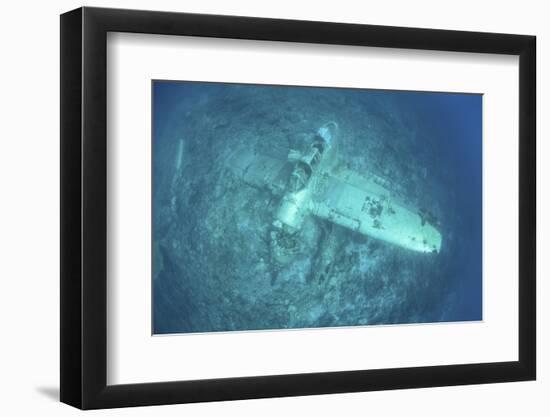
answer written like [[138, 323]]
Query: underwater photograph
[[294, 207]]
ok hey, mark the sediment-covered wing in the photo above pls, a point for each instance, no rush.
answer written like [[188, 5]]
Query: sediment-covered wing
[[364, 205], [261, 171]]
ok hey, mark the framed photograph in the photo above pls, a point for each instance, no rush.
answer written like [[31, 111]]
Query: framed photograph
[[257, 208]]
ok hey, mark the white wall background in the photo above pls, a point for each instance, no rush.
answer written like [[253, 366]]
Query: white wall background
[[29, 226]]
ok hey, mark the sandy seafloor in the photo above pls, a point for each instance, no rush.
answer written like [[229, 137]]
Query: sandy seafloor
[[212, 267]]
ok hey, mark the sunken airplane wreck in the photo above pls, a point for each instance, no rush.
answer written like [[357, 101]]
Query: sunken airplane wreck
[[316, 183]]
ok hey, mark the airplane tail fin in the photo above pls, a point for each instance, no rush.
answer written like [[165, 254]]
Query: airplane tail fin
[[328, 131]]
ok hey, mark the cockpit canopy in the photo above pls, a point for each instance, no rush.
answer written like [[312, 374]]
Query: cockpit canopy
[[306, 165], [299, 177]]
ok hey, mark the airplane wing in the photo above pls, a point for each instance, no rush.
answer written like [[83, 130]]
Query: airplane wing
[[261, 171], [364, 205]]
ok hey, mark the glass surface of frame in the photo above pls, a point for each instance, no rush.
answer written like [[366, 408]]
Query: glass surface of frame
[[284, 207]]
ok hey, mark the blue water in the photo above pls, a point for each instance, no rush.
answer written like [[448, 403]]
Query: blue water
[[212, 268]]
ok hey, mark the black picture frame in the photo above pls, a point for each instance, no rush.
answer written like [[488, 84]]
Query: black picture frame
[[84, 207]]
